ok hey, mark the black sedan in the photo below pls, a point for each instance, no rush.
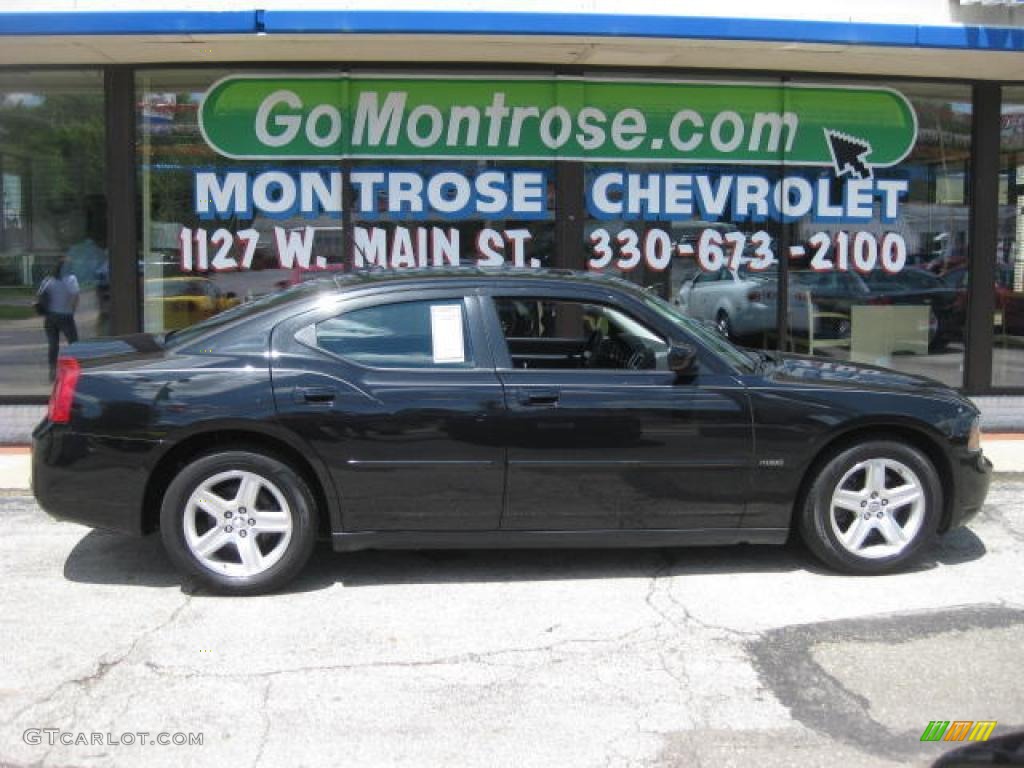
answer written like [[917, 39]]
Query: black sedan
[[473, 409]]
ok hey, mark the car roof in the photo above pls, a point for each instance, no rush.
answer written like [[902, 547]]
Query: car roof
[[471, 275], [258, 316]]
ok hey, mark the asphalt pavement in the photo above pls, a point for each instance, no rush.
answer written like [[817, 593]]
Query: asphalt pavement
[[679, 657]]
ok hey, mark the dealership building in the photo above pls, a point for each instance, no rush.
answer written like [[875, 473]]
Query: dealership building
[[845, 180]]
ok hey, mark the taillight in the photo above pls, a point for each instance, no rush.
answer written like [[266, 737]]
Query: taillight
[[68, 371]]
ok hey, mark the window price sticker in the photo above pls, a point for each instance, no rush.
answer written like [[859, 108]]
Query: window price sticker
[[447, 334]]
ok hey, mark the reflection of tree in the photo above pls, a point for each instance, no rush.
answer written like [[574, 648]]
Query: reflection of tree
[[169, 153], [61, 136]]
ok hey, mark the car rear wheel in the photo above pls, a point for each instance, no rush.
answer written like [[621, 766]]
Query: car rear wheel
[[238, 522], [872, 507]]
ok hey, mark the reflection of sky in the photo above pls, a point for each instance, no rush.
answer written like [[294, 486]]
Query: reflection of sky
[[22, 99]]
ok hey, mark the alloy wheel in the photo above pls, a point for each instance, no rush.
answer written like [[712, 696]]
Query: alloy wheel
[[877, 508], [237, 523]]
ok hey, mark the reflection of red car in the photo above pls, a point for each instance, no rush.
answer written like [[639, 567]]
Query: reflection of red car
[[1007, 301]]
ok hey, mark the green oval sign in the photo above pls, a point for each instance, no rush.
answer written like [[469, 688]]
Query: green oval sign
[[263, 117]]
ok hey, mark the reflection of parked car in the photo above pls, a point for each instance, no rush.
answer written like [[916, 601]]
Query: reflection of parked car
[[740, 302], [834, 294], [918, 287], [182, 301], [824, 298], [1008, 303], [743, 303]]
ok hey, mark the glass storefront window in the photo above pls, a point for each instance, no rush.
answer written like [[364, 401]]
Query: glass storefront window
[[52, 213], [848, 200], [313, 210], [382, 237], [859, 188], [1008, 320], [196, 260], [882, 286], [671, 227]]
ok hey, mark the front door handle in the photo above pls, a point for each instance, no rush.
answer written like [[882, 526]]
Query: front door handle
[[539, 397], [314, 394]]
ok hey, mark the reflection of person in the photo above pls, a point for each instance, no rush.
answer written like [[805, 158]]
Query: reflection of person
[[89, 262], [59, 292]]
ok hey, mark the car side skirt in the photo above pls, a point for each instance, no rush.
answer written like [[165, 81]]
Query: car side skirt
[[355, 540]]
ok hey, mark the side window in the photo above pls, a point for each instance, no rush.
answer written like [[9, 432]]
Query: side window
[[412, 334], [554, 334]]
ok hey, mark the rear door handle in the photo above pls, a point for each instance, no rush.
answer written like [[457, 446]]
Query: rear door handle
[[314, 394], [538, 397]]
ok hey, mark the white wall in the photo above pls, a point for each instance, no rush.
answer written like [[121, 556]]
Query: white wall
[[926, 12]]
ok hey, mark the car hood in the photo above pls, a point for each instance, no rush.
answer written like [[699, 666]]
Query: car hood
[[800, 369]]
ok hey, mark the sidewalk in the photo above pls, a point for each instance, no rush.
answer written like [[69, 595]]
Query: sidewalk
[[1005, 451]]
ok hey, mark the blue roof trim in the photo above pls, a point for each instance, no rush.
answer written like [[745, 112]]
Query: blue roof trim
[[128, 23], [465, 23]]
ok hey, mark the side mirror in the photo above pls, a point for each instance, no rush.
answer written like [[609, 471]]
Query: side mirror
[[682, 361]]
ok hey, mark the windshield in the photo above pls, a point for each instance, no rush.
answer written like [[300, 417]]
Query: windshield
[[711, 338]]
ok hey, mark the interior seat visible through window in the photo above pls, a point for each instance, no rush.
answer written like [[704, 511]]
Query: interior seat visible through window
[[556, 334]]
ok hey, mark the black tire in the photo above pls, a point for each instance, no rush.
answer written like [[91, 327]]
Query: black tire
[[723, 323], [818, 527], [292, 554]]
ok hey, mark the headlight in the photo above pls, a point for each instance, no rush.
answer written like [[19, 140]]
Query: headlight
[[974, 438]]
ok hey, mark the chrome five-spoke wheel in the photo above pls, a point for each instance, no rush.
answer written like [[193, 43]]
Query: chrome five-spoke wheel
[[871, 506], [238, 523], [877, 508]]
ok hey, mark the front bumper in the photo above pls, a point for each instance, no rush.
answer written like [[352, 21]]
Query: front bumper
[[972, 476], [89, 479]]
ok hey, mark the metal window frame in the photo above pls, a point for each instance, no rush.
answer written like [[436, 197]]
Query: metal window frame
[[983, 228]]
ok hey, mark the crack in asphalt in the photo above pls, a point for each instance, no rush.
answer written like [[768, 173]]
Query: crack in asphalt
[[267, 723], [688, 619], [103, 667], [461, 658]]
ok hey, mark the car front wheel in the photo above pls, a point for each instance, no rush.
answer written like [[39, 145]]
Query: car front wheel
[[872, 507], [238, 522], [723, 323]]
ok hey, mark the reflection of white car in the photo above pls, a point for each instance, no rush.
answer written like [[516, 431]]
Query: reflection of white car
[[740, 302]]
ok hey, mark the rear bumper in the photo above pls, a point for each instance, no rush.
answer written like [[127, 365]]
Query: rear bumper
[[89, 479], [972, 476]]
